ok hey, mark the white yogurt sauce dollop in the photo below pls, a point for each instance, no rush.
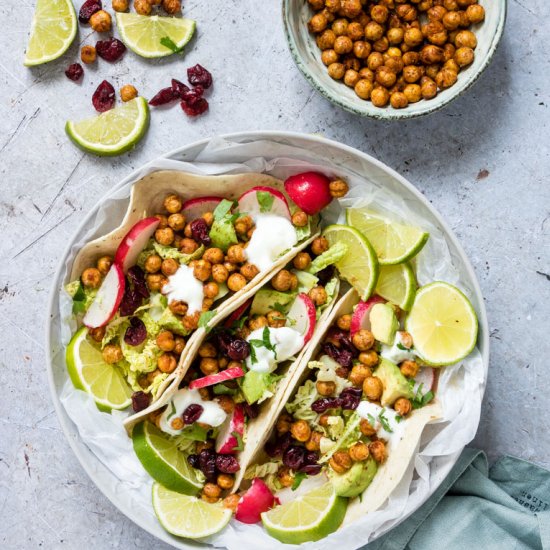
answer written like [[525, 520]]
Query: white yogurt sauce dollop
[[213, 414], [366, 409], [285, 340], [272, 236], [182, 286], [394, 353]]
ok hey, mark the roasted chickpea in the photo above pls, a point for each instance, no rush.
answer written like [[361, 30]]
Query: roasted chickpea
[[380, 97], [333, 6], [374, 31], [88, 54], [128, 92], [283, 423], [425, 5], [249, 271], [340, 462], [381, 45], [318, 23], [285, 477], [394, 64], [373, 388], [100, 21], [413, 37], [236, 254], [276, 319], [336, 71], [344, 322], [363, 339], [282, 280], [364, 88], [177, 423], [475, 13], [413, 93], [236, 282], [446, 78], [375, 60], [466, 39], [429, 88], [318, 295], [367, 74], [464, 56], [326, 40], [351, 77], [211, 290], [340, 27], [325, 388], [398, 100], [407, 12], [226, 403], [317, 4], [219, 273], [225, 481], [120, 5], [436, 13], [451, 5], [112, 353], [208, 217], [379, 13], [338, 188], [231, 502], [351, 8], [369, 358], [402, 406], [209, 365], [362, 49], [165, 236], [431, 54], [366, 428], [319, 245], [91, 277], [449, 50], [451, 65], [153, 263], [207, 303], [257, 322], [351, 62], [355, 31], [211, 491], [395, 35], [412, 73], [314, 441], [202, 270], [302, 261], [154, 281], [359, 452], [243, 225], [451, 20], [180, 345], [328, 57], [143, 7], [167, 363], [97, 334], [411, 58], [300, 430], [378, 451], [103, 264], [299, 218], [165, 341], [177, 307], [358, 374], [171, 6], [169, 266], [188, 246]]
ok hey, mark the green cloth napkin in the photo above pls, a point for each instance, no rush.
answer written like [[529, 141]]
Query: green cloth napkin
[[506, 507]]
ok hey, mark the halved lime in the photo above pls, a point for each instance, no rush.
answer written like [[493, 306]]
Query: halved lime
[[143, 33], [309, 517], [163, 460], [397, 284], [53, 29], [113, 132], [186, 516], [89, 372], [359, 266], [394, 242], [442, 323]]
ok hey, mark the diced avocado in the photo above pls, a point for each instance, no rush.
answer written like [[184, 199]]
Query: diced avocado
[[306, 281], [395, 384], [223, 234], [355, 480], [266, 298], [383, 323], [254, 384]]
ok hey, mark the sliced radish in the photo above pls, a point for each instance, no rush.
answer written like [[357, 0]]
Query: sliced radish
[[134, 242], [303, 316], [107, 299], [310, 191], [360, 318], [223, 376], [255, 501], [195, 208], [227, 442], [424, 378], [249, 202], [237, 314]]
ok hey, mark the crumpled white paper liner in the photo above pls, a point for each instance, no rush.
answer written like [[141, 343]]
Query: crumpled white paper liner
[[460, 387]]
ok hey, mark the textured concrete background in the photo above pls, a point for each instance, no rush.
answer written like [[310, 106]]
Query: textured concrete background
[[483, 162]]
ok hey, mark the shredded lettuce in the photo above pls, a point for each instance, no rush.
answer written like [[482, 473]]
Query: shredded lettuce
[[155, 386], [335, 427], [349, 436], [115, 329], [306, 281], [82, 296], [334, 254], [72, 288], [266, 471], [300, 406], [331, 288], [302, 233], [141, 359], [327, 372]]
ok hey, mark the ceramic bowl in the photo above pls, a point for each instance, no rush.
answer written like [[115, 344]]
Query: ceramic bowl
[[307, 56]]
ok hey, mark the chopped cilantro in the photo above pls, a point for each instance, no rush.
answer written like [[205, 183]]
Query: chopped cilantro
[[265, 342], [79, 300], [384, 422], [298, 478], [172, 410], [419, 400], [167, 42], [265, 200], [372, 420], [205, 318], [402, 347], [240, 445], [398, 418], [278, 307]]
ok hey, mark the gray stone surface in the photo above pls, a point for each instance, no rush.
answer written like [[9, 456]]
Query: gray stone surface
[[483, 162]]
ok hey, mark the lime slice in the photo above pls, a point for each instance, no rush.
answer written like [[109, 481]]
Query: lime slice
[[359, 266], [163, 460], [442, 323], [309, 517], [143, 33], [186, 516], [53, 29], [89, 372], [113, 132], [394, 242], [397, 284]]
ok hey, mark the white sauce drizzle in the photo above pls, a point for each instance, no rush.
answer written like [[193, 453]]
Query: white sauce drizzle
[[182, 286]]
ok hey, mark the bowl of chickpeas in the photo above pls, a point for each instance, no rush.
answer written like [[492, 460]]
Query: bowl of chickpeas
[[393, 59]]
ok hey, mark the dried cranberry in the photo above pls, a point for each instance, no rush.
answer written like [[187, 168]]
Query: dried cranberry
[[311, 466], [199, 230], [199, 75], [166, 95], [136, 333], [233, 347], [227, 464], [104, 97], [111, 49], [74, 72], [195, 107], [130, 301], [278, 446], [88, 9], [134, 292], [207, 464], [294, 457], [250, 410], [341, 338], [179, 88], [194, 461], [140, 401], [191, 96], [136, 276], [311, 469], [192, 413], [324, 404], [350, 398], [325, 275], [342, 356]]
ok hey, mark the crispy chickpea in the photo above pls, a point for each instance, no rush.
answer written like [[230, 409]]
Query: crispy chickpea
[[177, 307], [319, 245], [100, 21], [202, 445], [153, 263], [394, 64], [407, 12], [236, 254], [208, 365], [225, 481], [366, 428], [333, 6], [211, 490], [163, 221], [180, 345], [300, 430], [379, 13], [438, 38], [344, 322], [281, 281], [336, 71], [425, 5], [411, 58], [466, 39], [97, 334], [276, 319], [207, 349], [338, 188], [318, 295], [293, 281], [375, 60], [323, 420], [112, 353], [351, 8], [351, 77], [380, 97], [464, 56], [211, 290], [285, 477], [120, 5], [103, 264], [436, 13], [231, 502], [318, 23], [128, 92], [171, 6], [432, 54], [413, 37], [412, 73], [249, 271], [165, 236], [395, 35], [451, 65], [188, 246], [369, 358], [169, 266], [299, 218], [374, 31], [226, 403], [340, 27], [449, 50], [257, 322], [398, 100], [317, 4], [364, 88], [202, 270], [172, 203], [177, 423], [326, 39], [363, 339], [446, 78], [302, 261], [91, 277], [378, 451], [88, 54], [207, 303], [373, 388], [475, 13], [154, 281], [355, 31], [429, 88], [367, 74], [358, 374], [413, 93], [340, 462], [381, 45], [361, 49], [143, 7], [314, 441], [359, 452], [328, 57], [451, 5], [176, 221], [167, 363], [165, 341], [325, 388], [283, 423], [402, 406], [219, 273], [451, 20], [236, 282]]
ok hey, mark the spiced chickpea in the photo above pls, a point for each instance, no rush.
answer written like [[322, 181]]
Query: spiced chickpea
[[445, 78], [413, 37], [374, 31], [165, 341], [302, 261], [299, 218], [351, 8], [381, 45], [394, 64], [329, 15], [344, 322], [359, 452], [231, 502], [333, 6], [276, 319], [172, 203], [236, 282], [379, 13], [97, 334], [325, 388], [351, 63], [364, 88], [180, 345], [283, 423], [431, 71], [351, 77], [143, 7], [211, 290], [213, 255], [318, 23], [425, 5], [236, 254], [373, 388], [375, 60], [219, 273], [366, 428], [177, 307], [363, 339], [314, 441], [225, 481], [436, 13], [466, 39], [165, 236], [211, 491], [411, 58], [177, 423], [340, 27], [464, 56], [378, 451], [367, 74], [385, 76], [318, 295], [362, 49], [395, 36], [282, 280], [120, 5], [338, 188], [336, 71], [413, 93], [451, 5], [169, 266], [407, 12], [103, 264], [369, 358], [154, 281], [249, 271], [355, 31], [449, 50], [402, 406], [358, 374], [319, 245], [398, 100], [112, 353], [341, 462], [439, 37], [285, 477], [317, 4], [202, 270], [191, 322], [226, 403], [257, 322], [167, 363], [326, 39], [451, 65], [380, 97], [208, 365], [91, 277], [208, 217], [188, 246], [431, 54], [451, 20], [475, 13], [88, 54], [412, 73], [100, 21], [300, 430]]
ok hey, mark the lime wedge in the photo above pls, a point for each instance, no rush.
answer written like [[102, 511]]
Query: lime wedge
[[163, 460], [397, 284], [394, 243], [442, 323], [89, 372], [359, 266], [113, 132], [186, 516], [143, 33], [308, 517], [53, 29]]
